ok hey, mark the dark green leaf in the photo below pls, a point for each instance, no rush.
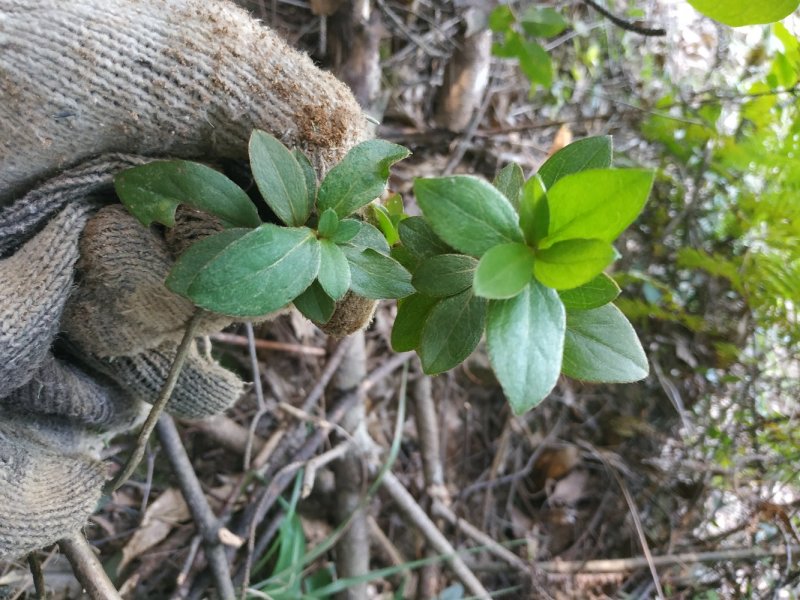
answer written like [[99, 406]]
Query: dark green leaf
[[197, 256], [347, 230], [420, 239], [315, 304], [334, 271], [401, 254], [542, 22], [153, 191], [444, 275], [309, 174], [504, 271], [602, 346], [368, 237], [738, 12], [588, 153], [525, 337], [571, 263], [598, 292], [329, 224], [467, 213], [279, 178], [259, 273], [375, 275], [451, 332], [534, 214], [509, 182], [360, 177], [412, 312], [596, 204]]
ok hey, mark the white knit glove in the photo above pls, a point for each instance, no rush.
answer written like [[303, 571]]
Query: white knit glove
[[88, 88]]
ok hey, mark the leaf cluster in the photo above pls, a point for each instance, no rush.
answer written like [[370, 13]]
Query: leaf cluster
[[523, 262]]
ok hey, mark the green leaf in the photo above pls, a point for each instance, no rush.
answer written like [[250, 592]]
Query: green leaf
[[534, 214], [596, 204], [525, 337], [451, 332], [259, 273], [571, 263], [334, 271], [401, 254], [347, 230], [412, 312], [377, 276], [542, 22], [366, 237], [309, 174], [420, 240], [501, 18], [509, 182], [602, 346], [738, 12], [504, 271], [384, 220], [315, 304], [467, 213], [197, 256], [444, 275], [588, 153], [360, 177], [329, 224], [279, 178], [598, 292], [153, 191]]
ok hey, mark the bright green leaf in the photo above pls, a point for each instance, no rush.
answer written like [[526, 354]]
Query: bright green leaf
[[451, 332], [315, 304], [571, 263], [197, 256], [279, 178], [740, 12], [602, 346], [384, 220], [360, 177], [444, 275], [504, 271], [598, 292], [596, 204], [259, 273], [581, 155], [328, 224], [542, 22], [334, 271], [375, 275], [509, 182], [501, 18], [535, 63], [467, 213], [153, 191], [420, 240], [525, 337], [412, 312]]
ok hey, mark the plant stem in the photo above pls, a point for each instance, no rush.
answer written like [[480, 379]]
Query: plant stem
[[87, 568]]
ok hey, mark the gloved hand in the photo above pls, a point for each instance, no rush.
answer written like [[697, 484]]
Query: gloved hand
[[86, 90]]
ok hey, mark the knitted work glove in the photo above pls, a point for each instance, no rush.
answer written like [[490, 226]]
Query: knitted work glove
[[87, 90]]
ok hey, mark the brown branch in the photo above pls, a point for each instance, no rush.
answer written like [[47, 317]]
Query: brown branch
[[38, 577], [160, 404], [626, 25], [239, 340], [87, 568], [207, 523]]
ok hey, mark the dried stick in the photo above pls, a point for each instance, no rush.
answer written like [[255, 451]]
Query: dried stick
[[38, 577], [160, 404], [238, 340], [87, 568], [626, 25], [422, 521], [618, 565], [207, 523]]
